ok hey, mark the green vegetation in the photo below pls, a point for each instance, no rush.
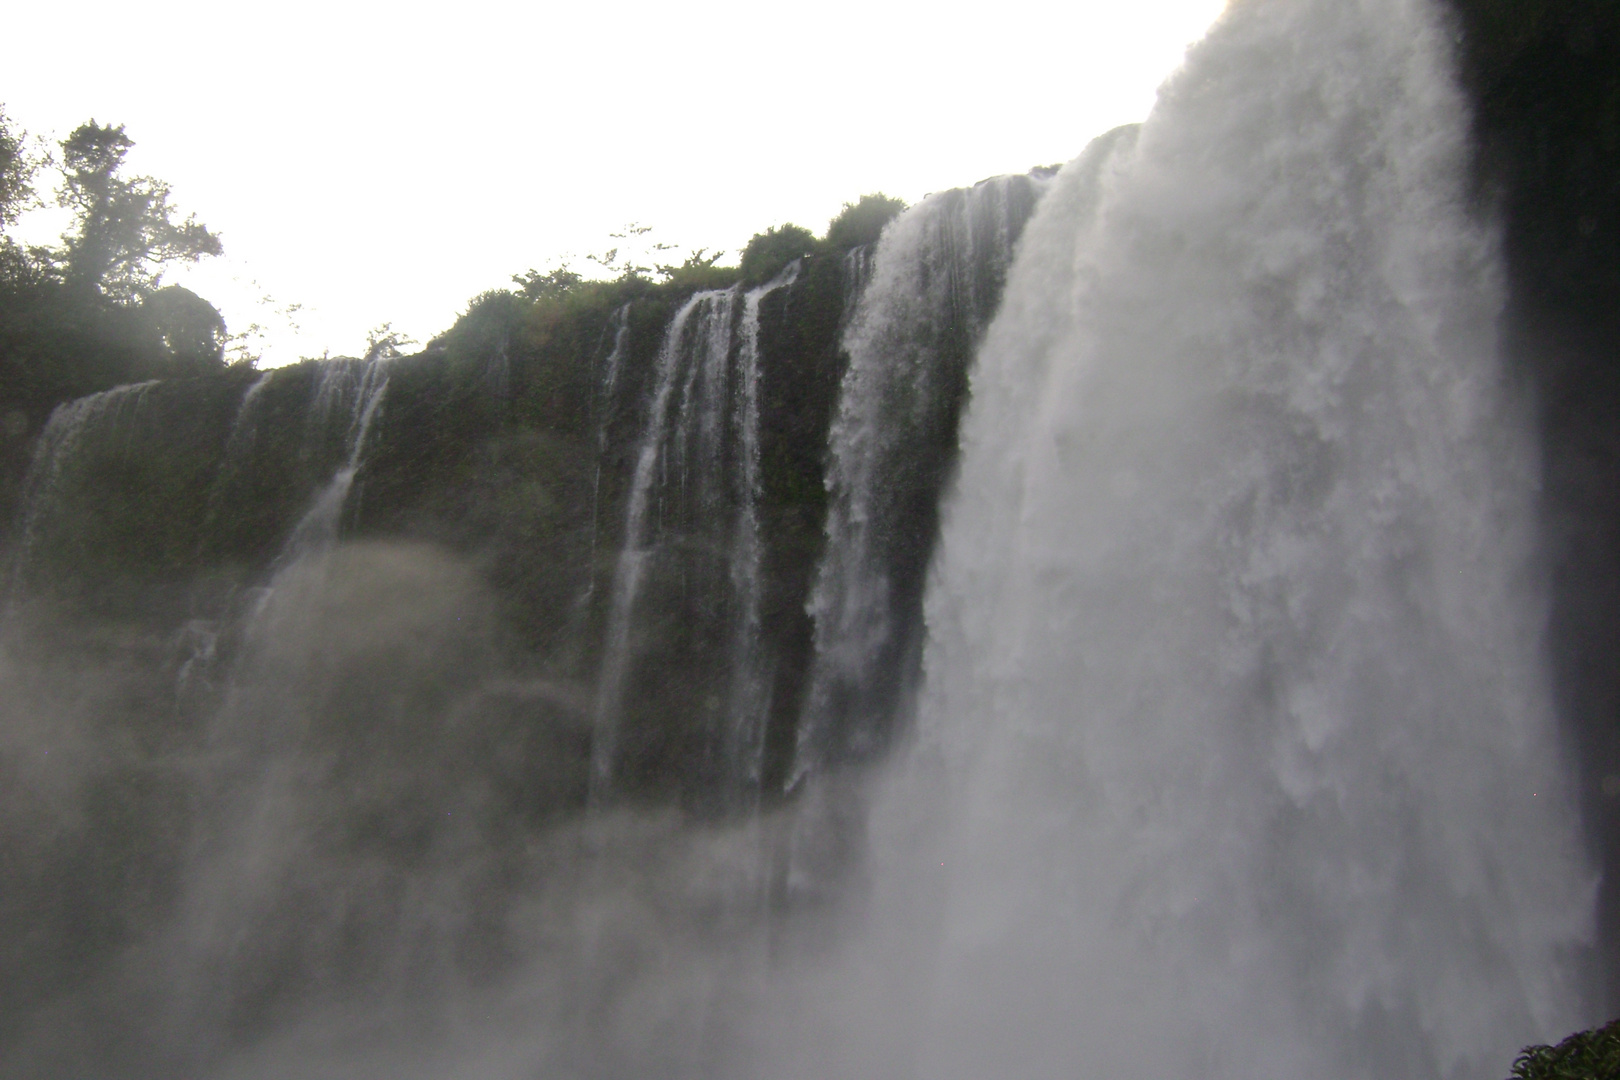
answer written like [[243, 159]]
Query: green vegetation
[[1586, 1055], [863, 221], [768, 252]]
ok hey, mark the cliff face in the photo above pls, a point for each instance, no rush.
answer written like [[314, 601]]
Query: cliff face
[[1544, 81]]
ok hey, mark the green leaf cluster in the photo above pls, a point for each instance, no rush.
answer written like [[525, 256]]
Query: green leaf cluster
[[862, 222], [770, 251], [1585, 1055]]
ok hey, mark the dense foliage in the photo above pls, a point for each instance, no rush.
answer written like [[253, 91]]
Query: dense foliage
[[861, 222], [1586, 1055]]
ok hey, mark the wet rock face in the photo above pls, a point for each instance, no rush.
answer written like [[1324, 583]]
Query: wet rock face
[[1544, 82]]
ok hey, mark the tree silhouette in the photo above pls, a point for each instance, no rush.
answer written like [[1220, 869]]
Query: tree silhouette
[[126, 232], [16, 172]]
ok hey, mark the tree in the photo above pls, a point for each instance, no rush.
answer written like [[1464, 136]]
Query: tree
[[768, 252], [126, 233], [383, 342], [551, 285], [17, 167], [862, 222], [189, 327], [1585, 1055]]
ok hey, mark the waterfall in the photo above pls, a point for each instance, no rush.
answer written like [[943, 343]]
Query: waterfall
[[1235, 720], [691, 534], [627, 576], [242, 424], [857, 273], [750, 681], [352, 390], [1180, 713], [920, 304], [620, 329], [104, 415], [239, 441]]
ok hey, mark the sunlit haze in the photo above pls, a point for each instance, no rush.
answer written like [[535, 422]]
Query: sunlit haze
[[376, 163]]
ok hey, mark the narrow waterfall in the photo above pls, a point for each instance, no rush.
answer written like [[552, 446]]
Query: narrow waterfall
[[857, 273], [631, 568], [349, 391], [619, 327], [243, 433], [919, 306], [691, 546], [242, 426], [1235, 720], [749, 705]]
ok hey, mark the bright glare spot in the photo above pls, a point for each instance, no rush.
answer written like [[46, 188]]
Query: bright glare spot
[[369, 163]]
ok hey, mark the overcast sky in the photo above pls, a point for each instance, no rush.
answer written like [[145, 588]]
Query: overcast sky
[[385, 163]]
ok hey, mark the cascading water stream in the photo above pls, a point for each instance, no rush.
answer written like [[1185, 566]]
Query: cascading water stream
[[633, 555], [692, 509], [244, 410], [54, 454], [919, 306], [1236, 757], [857, 274], [244, 431], [620, 328], [750, 680], [360, 386]]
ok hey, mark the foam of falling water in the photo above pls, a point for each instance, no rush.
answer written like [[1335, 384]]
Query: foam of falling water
[[920, 304], [1235, 709]]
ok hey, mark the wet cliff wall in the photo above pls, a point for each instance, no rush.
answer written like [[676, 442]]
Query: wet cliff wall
[[1544, 82]]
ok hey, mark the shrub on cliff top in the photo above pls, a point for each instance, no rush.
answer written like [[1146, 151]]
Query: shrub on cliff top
[[768, 252], [862, 222], [1586, 1055]]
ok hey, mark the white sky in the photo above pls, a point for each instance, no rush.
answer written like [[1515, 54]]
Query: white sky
[[387, 162]]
